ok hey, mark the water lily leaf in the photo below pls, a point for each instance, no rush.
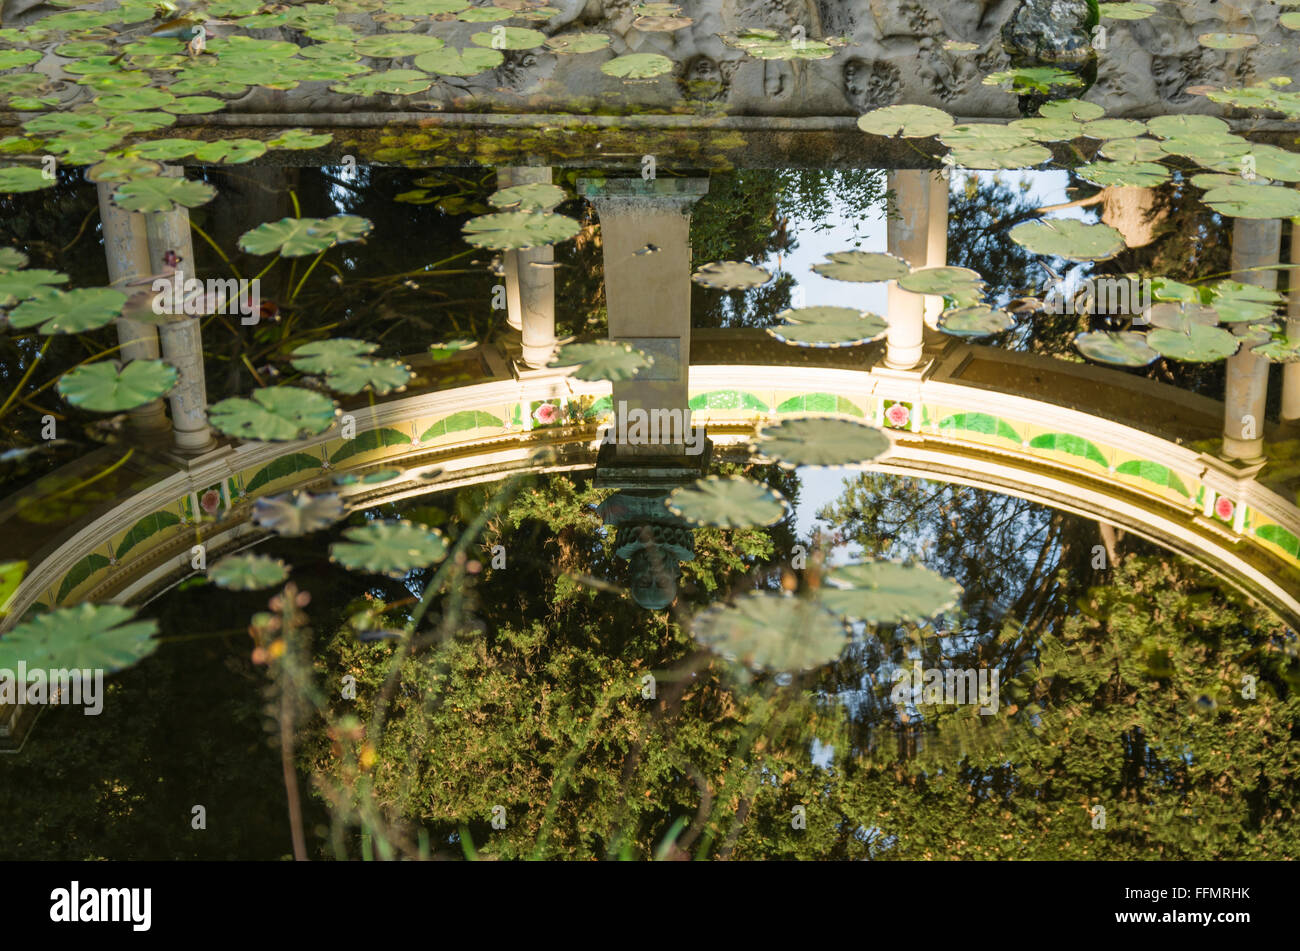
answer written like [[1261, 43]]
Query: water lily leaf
[[731, 275], [297, 513], [1111, 174], [393, 45], [518, 230], [398, 82], [446, 349], [602, 360], [911, 122], [87, 636], [382, 376], [1182, 126], [425, 8], [992, 136], [11, 576], [1033, 79], [103, 387], [342, 229], [122, 168], [11, 259], [863, 266], [454, 62], [162, 193], [329, 356], [536, 196], [637, 66], [132, 100], [1227, 41], [296, 237], [1075, 109], [1199, 344], [1230, 310], [230, 151], [1254, 201], [830, 330], [1048, 130], [820, 441], [21, 285], [1113, 128], [278, 414], [1180, 315], [389, 548], [64, 122], [887, 592], [727, 502], [1131, 151], [248, 572], [578, 42], [1267, 161], [69, 312], [1206, 149], [1069, 238], [940, 280], [1126, 11], [485, 14], [509, 38], [24, 178], [771, 632], [165, 150], [11, 58], [975, 322], [1022, 156], [1123, 348], [300, 139], [1282, 350], [768, 44], [1165, 288]]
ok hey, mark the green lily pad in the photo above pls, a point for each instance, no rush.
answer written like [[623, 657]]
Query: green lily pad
[[11, 576], [329, 356], [24, 178], [53, 122], [382, 376], [1269, 162], [537, 196], [11, 259], [1227, 41], [69, 312], [248, 572], [1113, 128], [1040, 79], [1048, 130], [865, 267], [1069, 238], [911, 122], [1022, 156], [122, 168], [730, 275], [887, 592], [1254, 201], [975, 322], [1131, 151], [940, 280], [578, 42], [297, 237], [297, 513], [446, 349], [389, 548], [1125, 11], [397, 82], [299, 139], [12, 58], [1205, 149], [103, 387], [771, 632], [1199, 344], [518, 230], [454, 62], [769, 44], [132, 100], [509, 38], [21, 285], [602, 360], [1075, 109], [727, 502], [394, 45], [1180, 315], [1181, 126], [485, 14], [820, 441], [87, 636], [230, 151], [1123, 348], [278, 414], [829, 331], [1112, 174], [984, 135], [165, 150], [1164, 288], [162, 193], [637, 66]]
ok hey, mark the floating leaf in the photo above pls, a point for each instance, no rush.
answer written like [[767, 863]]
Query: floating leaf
[[536, 196], [975, 322], [248, 572], [297, 513], [772, 631], [449, 348], [731, 275], [300, 139], [727, 502], [104, 388], [24, 178], [1117, 174], [1180, 315], [1040, 79], [1254, 201], [1205, 149], [1022, 156], [1113, 128], [1199, 344], [862, 266], [277, 414], [1048, 130], [1069, 238], [230, 151], [602, 360], [637, 66], [828, 327], [509, 38], [122, 168], [296, 237], [166, 150], [454, 62], [329, 356], [887, 592], [382, 376], [1075, 109], [389, 547], [11, 259], [21, 285], [820, 441], [1280, 350], [1122, 348], [578, 42], [1126, 11], [87, 636], [912, 122], [518, 230], [397, 82], [393, 45], [485, 14], [1132, 151], [69, 312], [940, 280], [1180, 126], [11, 576], [1227, 41], [161, 193]]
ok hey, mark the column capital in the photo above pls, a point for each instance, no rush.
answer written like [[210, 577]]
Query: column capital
[[642, 196]]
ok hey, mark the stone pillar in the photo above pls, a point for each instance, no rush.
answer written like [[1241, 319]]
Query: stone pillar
[[1291, 371], [182, 344], [645, 229], [936, 241], [126, 248], [530, 290], [908, 238], [1254, 244]]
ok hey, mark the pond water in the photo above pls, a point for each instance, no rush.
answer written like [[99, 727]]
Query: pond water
[[614, 430]]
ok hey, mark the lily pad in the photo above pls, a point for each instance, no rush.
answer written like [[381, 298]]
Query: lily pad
[[518, 230], [11, 259], [1227, 41], [536, 196], [772, 632], [865, 267], [1283, 350], [1075, 109], [454, 62], [975, 322], [69, 312], [1113, 128], [162, 193], [389, 547], [296, 237], [1021, 156], [911, 122], [1179, 126], [1048, 130], [24, 178], [1123, 348], [123, 168], [87, 636], [22, 285], [329, 356], [1114, 174], [940, 280], [230, 151], [1069, 238], [396, 82], [578, 42], [887, 592], [1254, 201], [381, 376], [395, 45], [104, 388], [1125, 11], [248, 572], [727, 502], [509, 38], [298, 139], [831, 330], [820, 441], [637, 66], [297, 513], [278, 414], [1134, 150], [602, 360], [731, 275], [1200, 344]]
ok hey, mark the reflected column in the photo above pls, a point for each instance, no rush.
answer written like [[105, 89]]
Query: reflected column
[[1245, 395], [530, 281], [936, 241], [908, 231], [1291, 371]]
